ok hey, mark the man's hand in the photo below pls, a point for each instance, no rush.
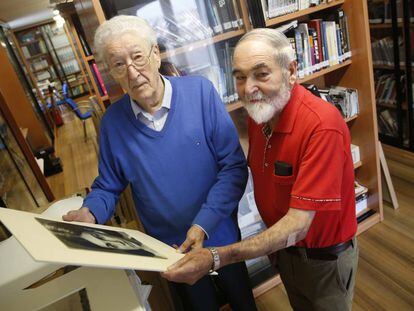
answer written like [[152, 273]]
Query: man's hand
[[194, 240], [192, 267], [82, 215]]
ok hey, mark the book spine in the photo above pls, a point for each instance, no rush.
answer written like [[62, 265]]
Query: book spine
[[224, 14], [99, 78]]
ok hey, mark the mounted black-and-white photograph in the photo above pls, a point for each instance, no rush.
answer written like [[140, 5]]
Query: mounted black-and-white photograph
[[50, 239], [78, 236]]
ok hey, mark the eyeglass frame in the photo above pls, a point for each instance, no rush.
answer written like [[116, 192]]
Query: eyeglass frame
[[125, 71]]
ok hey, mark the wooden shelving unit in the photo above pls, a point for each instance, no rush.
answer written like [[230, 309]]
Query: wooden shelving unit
[[303, 13]]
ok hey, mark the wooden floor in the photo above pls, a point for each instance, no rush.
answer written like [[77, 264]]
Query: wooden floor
[[79, 158], [385, 278]]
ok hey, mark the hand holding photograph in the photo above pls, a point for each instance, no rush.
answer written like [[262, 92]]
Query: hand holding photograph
[[74, 243]]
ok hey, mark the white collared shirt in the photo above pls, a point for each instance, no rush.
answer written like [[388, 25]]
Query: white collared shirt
[[157, 120]]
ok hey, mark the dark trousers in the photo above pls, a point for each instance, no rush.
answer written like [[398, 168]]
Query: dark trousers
[[232, 281], [319, 285]]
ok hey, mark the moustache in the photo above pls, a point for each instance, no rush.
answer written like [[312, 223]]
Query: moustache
[[256, 98]]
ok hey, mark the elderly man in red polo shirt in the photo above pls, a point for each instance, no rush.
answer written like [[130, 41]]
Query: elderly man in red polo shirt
[[303, 182]]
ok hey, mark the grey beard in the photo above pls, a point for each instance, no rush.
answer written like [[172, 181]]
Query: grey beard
[[268, 107]]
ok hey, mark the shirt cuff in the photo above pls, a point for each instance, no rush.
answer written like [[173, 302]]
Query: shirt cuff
[[207, 237]]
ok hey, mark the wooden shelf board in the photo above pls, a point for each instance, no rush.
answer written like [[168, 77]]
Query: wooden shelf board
[[301, 13], [61, 47], [391, 106], [28, 43], [266, 285], [73, 73], [357, 164], [68, 59], [76, 83], [38, 55], [363, 212], [39, 70], [368, 223], [323, 72], [205, 42], [351, 118], [387, 25], [90, 57], [234, 106], [386, 67]]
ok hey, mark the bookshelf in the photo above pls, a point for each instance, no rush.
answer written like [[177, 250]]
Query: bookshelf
[[302, 13], [354, 72], [391, 25], [48, 55]]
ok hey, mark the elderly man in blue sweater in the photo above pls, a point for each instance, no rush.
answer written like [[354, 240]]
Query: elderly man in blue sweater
[[173, 141]]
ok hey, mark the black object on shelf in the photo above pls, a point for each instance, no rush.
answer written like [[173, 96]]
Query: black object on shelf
[[365, 216], [52, 164]]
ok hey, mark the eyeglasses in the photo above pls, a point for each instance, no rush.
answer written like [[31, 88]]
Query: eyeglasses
[[139, 61]]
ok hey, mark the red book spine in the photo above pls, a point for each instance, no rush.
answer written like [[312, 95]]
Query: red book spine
[[99, 77]]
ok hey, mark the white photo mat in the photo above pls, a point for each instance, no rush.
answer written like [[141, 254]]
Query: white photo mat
[[44, 245]]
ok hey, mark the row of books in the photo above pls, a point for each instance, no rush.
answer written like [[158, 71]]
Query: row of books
[[361, 198], [387, 122], [65, 53], [221, 15], [33, 49], [319, 43], [383, 51], [98, 79], [213, 63], [381, 12], [344, 99], [274, 8], [40, 64], [385, 89], [175, 29], [70, 67], [251, 224]]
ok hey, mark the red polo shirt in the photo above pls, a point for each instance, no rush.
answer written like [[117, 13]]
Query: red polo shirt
[[313, 138]]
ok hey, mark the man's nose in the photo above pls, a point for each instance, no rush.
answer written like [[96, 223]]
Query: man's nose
[[250, 87], [132, 71]]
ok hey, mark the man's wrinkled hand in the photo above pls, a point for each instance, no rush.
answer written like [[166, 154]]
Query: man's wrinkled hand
[[82, 215], [192, 267], [195, 239]]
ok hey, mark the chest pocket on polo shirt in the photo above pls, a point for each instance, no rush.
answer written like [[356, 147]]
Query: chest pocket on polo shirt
[[283, 188]]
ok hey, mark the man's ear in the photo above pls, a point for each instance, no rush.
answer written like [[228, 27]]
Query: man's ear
[[157, 53], [293, 66]]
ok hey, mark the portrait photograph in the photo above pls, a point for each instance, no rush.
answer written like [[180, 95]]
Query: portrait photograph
[[82, 237], [50, 239]]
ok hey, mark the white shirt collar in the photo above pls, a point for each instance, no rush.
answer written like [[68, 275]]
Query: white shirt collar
[[166, 101]]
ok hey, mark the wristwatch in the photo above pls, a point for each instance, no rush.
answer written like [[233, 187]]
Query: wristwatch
[[216, 259]]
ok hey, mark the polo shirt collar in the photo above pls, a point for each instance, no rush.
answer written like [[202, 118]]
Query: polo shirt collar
[[166, 100], [288, 115]]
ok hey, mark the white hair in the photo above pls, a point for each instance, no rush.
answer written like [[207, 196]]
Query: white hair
[[119, 25], [283, 51]]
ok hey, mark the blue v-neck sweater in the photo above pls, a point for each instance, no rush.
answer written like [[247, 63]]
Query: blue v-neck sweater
[[191, 172]]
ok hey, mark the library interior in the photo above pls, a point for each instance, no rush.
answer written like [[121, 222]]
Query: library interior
[[212, 92]]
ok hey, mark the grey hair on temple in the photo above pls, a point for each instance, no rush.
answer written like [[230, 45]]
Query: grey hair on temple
[[283, 51], [119, 25]]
